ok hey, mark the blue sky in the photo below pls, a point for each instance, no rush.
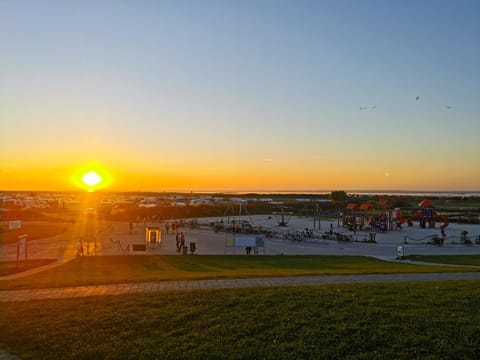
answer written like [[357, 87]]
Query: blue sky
[[279, 81]]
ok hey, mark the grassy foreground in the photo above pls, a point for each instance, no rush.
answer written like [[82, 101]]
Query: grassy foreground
[[473, 260], [34, 231], [434, 320], [12, 267], [118, 269]]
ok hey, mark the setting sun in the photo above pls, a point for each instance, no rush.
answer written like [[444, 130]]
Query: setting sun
[[91, 178]]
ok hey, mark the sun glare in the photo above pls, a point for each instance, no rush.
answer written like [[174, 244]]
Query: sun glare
[[91, 179]]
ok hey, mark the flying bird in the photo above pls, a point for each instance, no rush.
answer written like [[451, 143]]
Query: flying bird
[[363, 108], [448, 106], [374, 107], [417, 98]]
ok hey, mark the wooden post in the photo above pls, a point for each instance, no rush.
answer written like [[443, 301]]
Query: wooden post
[[18, 250], [22, 240]]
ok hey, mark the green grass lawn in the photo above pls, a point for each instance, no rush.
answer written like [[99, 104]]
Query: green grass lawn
[[448, 259], [12, 267], [34, 231], [428, 320], [119, 269]]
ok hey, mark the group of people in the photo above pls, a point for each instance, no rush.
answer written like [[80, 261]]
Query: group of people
[[180, 240], [91, 250], [174, 226]]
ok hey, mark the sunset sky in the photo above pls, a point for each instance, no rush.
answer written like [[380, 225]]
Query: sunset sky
[[240, 95]]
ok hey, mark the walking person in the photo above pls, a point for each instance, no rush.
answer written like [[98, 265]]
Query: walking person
[[182, 240], [178, 239], [79, 248]]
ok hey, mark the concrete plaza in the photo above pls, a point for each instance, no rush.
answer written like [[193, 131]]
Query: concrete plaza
[[120, 237]]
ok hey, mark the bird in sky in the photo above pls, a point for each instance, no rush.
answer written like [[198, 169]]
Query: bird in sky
[[363, 108], [448, 106], [417, 98], [374, 106]]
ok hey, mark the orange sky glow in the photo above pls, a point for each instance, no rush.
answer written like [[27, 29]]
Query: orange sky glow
[[229, 96], [234, 177]]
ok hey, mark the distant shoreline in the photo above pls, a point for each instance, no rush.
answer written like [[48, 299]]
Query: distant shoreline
[[354, 192], [409, 193]]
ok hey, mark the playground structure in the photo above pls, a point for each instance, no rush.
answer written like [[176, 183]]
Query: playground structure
[[235, 222], [282, 217], [378, 217], [231, 216], [427, 216]]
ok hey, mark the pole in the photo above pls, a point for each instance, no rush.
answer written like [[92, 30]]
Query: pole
[[22, 243], [319, 218], [18, 250]]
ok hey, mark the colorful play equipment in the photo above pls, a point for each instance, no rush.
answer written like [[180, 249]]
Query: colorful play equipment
[[378, 217], [349, 216], [427, 216]]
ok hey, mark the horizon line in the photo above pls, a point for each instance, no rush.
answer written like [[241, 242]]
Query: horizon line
[[255, 191]]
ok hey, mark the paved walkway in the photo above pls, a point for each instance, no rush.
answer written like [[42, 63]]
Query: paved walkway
[[6, 356], [149, 287]]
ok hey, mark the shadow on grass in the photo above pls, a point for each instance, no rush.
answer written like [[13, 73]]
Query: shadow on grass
[[468, 260], [96, 270], [12, 267], [435, 320]]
